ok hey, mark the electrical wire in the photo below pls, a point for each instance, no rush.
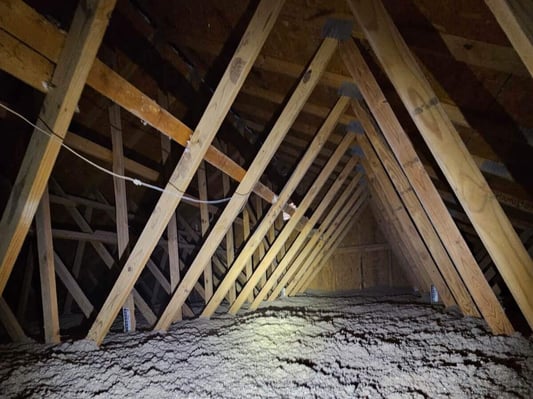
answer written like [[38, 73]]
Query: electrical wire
[[135, 181]]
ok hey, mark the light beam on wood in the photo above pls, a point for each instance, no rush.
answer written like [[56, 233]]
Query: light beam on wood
[[47, 271]]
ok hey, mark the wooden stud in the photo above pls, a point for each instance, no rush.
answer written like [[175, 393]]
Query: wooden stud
[[121, 205], [199, 143], [230, 241], [248, 267], [260, 251], [265, 224], [204, 224], [172, 228], [30, 28], [444, 142], [380, 154], [46, 271], [516, 19], [86, 32], [302, 236]]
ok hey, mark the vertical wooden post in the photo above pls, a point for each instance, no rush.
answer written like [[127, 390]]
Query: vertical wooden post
[[204, 224], [198, 145], [260, 252], [248, 268], [424, 188], [172, 227], [46, 270], [121, 206], [230, 241]]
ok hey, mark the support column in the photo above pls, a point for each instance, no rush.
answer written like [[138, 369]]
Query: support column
[[46, 271], [121, 207]]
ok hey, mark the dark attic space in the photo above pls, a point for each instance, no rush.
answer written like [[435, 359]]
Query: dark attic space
[[266, 198]]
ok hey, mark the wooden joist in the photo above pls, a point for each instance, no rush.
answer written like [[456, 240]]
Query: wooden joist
[[426, 192], [204, 225], [121, 205], [469, 185], [68, 79], [196, 149], [47, 271], [271, 216], [20, 55], [516, 19]]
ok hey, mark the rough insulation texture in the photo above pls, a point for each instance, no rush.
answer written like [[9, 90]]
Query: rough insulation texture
[[299, 347]]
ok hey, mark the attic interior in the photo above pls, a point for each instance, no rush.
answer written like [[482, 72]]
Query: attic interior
[[266, 198]]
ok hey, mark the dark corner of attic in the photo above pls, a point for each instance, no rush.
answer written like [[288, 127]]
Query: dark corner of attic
[[267, 198]]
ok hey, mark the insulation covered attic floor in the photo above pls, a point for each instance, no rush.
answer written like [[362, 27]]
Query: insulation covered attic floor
[[357, 345]]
